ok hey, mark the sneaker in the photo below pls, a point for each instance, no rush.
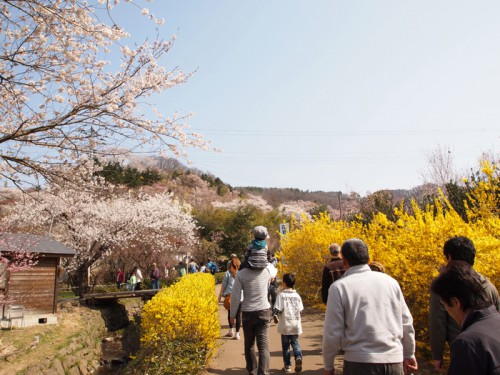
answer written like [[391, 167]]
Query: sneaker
[[298, 365], [237, 336], [287, 369], [276, 319], [229, 334]]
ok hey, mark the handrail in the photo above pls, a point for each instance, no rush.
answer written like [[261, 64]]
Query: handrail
[[122, 294]]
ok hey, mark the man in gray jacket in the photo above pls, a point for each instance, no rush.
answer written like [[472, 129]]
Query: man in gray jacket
[[256, 314], [442, 327]]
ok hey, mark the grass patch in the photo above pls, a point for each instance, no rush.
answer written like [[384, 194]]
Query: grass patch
[[66, 294]]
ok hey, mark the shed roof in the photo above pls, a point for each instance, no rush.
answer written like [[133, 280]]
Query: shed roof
[[32, 243]]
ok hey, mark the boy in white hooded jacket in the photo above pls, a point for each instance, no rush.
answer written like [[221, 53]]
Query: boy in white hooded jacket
[[287, 308]]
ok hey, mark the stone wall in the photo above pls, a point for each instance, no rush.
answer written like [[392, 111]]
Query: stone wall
[[81, 355]]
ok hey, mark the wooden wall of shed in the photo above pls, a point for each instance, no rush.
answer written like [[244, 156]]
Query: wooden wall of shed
[[34, 288]]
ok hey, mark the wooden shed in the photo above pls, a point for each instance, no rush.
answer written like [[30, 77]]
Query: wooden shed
[[34, 290]]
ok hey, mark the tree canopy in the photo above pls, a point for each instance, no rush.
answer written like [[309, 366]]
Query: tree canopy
[[71, 86], [86, 214]]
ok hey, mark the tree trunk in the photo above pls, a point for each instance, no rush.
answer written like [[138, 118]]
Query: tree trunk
[[82, 279]]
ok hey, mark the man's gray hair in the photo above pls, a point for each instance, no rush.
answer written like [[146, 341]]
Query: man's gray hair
[[335, 249]]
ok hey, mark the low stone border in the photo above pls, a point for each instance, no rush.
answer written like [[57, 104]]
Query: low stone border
[[81, 356]]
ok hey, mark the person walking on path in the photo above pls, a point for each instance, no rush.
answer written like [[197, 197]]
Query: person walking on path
[[139, 277], [273, 288], [230, 355], [155, 277], [120, 278], [230, 259], [332, 271], [212, 267], [132, 281], [287, 308], [192, 266], [367, 317], [226, 291], [476, 350], [256, 315], [181, 269], [442, 327]]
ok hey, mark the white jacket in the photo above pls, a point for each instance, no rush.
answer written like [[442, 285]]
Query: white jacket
[[138, 274], [289, 303], [367, 317]]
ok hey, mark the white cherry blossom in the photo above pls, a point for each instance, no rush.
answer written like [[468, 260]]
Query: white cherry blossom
[[63, 87], [93, 218]]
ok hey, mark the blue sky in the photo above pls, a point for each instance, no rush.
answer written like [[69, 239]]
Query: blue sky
[[333, 95]]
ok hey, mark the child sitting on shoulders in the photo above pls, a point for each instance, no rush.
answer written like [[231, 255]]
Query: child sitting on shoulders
[[288, 307], [257, 255]]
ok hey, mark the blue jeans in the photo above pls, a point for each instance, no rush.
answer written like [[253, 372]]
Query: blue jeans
[[255, 328], [155, 284], [286, 341]]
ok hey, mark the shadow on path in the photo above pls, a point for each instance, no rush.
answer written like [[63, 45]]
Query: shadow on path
[[230, 359]]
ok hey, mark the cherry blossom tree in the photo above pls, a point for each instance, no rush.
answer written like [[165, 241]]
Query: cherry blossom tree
[[70, 85], [90, 217]]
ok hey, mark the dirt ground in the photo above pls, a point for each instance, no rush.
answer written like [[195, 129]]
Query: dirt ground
[[231, 360], [21, 347]]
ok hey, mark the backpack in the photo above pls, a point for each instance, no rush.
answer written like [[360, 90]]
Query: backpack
[[155, 274], [213, 268]]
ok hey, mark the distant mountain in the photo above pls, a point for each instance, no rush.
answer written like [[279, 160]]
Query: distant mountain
[[201, 189]]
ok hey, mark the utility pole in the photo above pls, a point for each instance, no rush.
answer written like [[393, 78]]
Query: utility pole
[[340, 204]]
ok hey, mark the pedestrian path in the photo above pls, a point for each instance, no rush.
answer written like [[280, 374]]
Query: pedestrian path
[[230, 358]]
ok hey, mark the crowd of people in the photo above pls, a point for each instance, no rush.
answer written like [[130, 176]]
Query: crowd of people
[[367, 318], [133, 280]]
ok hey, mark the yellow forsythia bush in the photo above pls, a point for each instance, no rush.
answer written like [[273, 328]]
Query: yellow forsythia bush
[[184, 315], [411, 248], [305, 249]]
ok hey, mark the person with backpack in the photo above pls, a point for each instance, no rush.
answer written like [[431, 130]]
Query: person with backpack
[[212, 266], [155, 277]]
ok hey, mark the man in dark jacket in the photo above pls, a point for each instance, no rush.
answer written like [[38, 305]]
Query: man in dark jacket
[[332, 271], [443, 328], [476, 350]]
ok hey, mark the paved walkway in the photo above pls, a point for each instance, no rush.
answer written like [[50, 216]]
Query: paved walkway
[[231, 360]]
